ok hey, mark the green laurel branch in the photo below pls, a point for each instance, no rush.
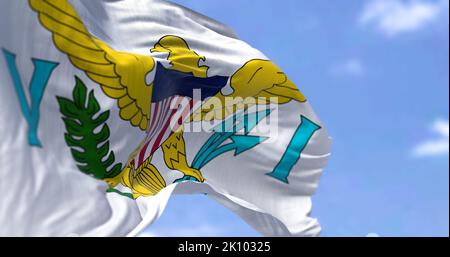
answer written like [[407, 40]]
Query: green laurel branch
[[87, 133]]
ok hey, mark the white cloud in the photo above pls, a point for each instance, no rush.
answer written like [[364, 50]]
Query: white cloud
[[351, 67], [395, 16], [438, 146]]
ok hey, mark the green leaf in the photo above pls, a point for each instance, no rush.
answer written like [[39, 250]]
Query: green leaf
[[103, 135], [103, 150], [79, 156], [84, 168], [71, 141], [88, 148], [93, 106], [103, 117], [79, 93], [109, 160], [115, 170], [73, 127], [67, 107]]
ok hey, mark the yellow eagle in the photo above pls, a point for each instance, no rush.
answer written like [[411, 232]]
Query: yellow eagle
[[122, 76]]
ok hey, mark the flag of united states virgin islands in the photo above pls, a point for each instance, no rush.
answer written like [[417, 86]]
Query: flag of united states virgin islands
[[110, 107]]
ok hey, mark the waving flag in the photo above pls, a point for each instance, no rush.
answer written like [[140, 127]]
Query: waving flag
[[109, 107]]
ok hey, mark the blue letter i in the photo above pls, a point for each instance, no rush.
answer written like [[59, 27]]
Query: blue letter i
[[291, 156]]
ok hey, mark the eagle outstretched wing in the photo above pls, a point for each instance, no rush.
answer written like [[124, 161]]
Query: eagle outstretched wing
[[256, 82], [121, 75]]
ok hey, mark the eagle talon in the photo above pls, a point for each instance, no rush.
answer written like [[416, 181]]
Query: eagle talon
[[185, 178], [195, 174]]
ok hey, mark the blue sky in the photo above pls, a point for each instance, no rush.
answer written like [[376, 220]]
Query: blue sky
[[376, 73]]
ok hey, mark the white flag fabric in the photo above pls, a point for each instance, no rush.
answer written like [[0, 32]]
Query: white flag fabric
[[108, 108]]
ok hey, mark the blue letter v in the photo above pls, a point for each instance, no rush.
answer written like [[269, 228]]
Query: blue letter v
[[42, 71]]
